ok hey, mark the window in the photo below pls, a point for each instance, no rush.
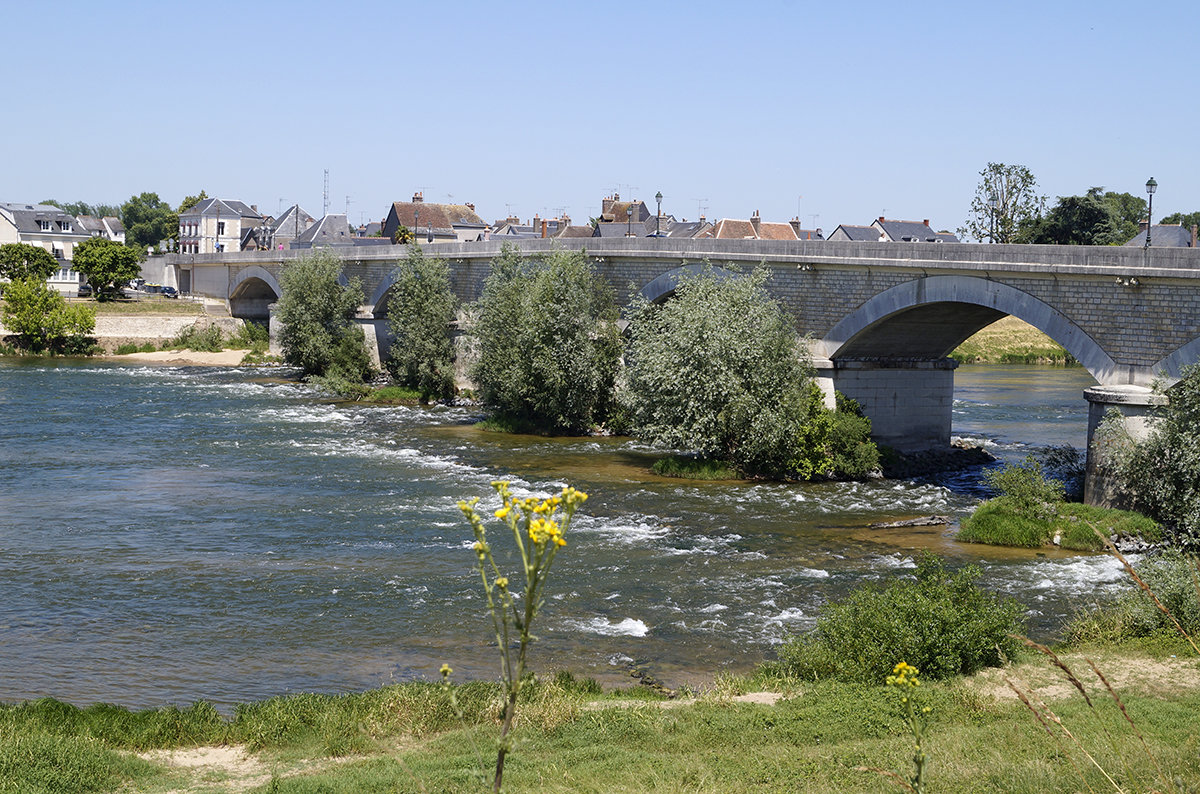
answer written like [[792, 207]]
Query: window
[[220, 227], [66, 226], [58, 253], [44, 225]]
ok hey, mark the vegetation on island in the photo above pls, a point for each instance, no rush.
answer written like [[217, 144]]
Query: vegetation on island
[[319, 334], [719, 370], [547, 342], [1010, 340], [420, 310]]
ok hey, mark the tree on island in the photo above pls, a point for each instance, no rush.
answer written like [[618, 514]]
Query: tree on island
[[719, 370], [22, 260], [318, 333], [548, 343], [420, 309], [107, 265], [1014, 189]]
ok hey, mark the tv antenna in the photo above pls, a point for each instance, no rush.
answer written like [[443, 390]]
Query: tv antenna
[[325, 195], [814, 217], [347, 206], [701, 206]]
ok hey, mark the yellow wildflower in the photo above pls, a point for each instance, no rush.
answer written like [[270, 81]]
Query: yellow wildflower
[[502, 582], [446, 671]]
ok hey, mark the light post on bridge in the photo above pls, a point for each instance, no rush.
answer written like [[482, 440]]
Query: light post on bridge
[[629, 220], [1151, 186], [658, 217], [992, 206]]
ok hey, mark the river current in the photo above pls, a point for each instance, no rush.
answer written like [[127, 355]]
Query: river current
[[176, 534]]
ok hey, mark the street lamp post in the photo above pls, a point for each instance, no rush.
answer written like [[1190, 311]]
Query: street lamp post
[[992, 206], [629, 221], [658, 217], [1151, 186]]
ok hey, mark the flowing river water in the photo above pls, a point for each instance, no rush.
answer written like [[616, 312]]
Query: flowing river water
[[176, 534]]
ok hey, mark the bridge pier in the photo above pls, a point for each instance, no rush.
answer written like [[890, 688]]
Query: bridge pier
[[908, 401], [1137, 406]]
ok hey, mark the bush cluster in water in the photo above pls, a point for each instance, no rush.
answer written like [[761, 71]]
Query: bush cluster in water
[[940, 622]]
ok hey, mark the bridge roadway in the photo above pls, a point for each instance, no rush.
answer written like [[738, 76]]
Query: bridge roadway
[[881, 317]]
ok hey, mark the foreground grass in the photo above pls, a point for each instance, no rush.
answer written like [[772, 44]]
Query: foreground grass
[[1011, 341], [408, 738], [999, 523]]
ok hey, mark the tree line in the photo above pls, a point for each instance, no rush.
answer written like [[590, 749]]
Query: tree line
[[718, 371], [1006, 208]]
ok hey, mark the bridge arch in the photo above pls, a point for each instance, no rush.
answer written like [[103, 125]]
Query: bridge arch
[[1173, 364], [251, 293], [662, 288], [928, 317]]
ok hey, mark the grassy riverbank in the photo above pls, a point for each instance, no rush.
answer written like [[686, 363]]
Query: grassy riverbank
[[790, 736], [1011, 341]]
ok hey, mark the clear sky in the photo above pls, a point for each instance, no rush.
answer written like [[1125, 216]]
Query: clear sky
[[842, 110]]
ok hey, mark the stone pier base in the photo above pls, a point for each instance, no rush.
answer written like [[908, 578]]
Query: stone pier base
[[908, 401], [1137, 406]]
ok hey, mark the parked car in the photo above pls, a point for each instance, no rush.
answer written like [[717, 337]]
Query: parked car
[[85, 291], [169, 292]]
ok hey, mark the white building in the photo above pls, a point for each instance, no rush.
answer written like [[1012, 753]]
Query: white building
[[48, 227]]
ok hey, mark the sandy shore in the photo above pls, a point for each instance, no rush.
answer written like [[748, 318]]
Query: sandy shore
[[183, 358]]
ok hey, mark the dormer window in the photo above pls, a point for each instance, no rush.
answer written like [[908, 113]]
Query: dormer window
[[44, 225], [66, 226]]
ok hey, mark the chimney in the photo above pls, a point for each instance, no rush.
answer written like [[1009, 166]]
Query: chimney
[[926, 221], [1193, 235], [882, 219], [755, 221], [418, 198], [254, 208], [470, 206], [702, 220], [544, 224], [565, 221], [536, 222], [795, 224]]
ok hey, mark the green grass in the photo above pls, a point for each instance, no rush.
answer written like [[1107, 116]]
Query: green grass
[[144, 306], [1011, 341], [998, 523], [694, 468], [401, 395]]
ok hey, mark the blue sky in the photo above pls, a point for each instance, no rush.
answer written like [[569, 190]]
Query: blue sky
[[844, 111]]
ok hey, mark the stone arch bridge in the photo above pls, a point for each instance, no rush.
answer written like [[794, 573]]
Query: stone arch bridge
[[882, 317]]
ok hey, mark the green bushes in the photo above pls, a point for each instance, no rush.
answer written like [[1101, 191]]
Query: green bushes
[[548, 343], [421, 307], [717, 371], [1173, 578], [43, 321], [941, 623], [319, 334]]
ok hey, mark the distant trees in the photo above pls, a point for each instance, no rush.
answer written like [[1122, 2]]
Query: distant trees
[[421, 307], [319, 334], [106, 264], [148, 220], [77, 208], [43, 320], [1014, 189], [1095, 218], [548, 343], [1186, 220], [187, 203], [22, 260]]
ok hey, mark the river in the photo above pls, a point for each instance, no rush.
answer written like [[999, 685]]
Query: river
[[174, 534]]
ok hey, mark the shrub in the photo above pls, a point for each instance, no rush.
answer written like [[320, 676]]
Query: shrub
[[43, 321], [1161, 475], [1173, 578], [941, 622], [421, 308], [202, 338], [548, 343], [1026, 488], [717, 371], [317, 313], [251, 336]]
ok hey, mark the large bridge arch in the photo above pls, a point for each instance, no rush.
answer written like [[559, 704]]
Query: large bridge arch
[[251, 293], [926, 318], [1173, 364], [663, 286]]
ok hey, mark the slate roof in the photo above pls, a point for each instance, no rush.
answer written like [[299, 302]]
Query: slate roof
[[26, 217], [866, 234], [685, 229], [293, 217], [226, 207], [90, 224], [912, 232], [114, 224], [1164, 236], [330, 230], [575, 231], [622, 229]]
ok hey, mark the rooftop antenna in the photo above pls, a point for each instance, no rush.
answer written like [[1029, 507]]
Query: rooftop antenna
[[798, 206], [560, 211], [508, 208], [814, 217], [325, 195], [629, 196], [701, 207], [280, 206], [347, 206]]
